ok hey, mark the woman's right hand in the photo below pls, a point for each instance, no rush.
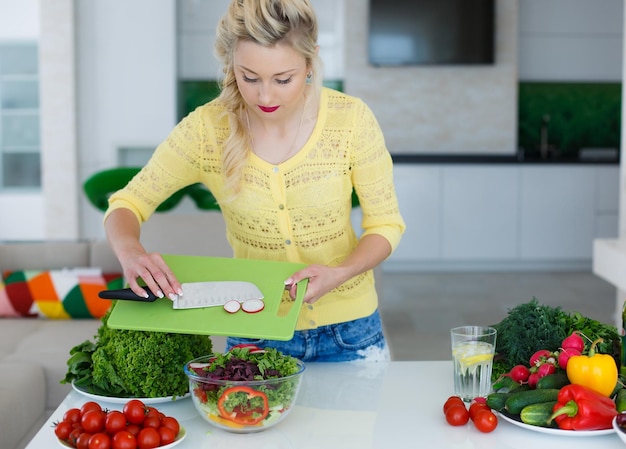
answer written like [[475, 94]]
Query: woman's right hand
[[155, 273], [122, 229]]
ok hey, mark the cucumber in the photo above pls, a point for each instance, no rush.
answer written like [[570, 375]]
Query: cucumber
[[538, 414], [517, 401], [496, 401], [556, 380]]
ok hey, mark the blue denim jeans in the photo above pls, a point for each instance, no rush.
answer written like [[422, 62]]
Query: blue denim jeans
[[360, 339]]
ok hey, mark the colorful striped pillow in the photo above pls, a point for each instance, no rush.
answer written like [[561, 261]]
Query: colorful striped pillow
[[56, 294]]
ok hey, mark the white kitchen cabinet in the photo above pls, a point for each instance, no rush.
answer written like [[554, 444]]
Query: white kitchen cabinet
[[503, 216], [557, 206], [419, 196], [480, 213]]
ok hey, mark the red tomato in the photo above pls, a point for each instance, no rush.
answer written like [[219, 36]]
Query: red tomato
[[135, 411], [475, 408], [148, 438], [151, 411], [90, 405], [100, 440], [452, 400], [134, 429], [124, 440], [74, 435], [93, 421], [485, 421], [72, 415], [63, 429], [457, 415], [167, 435], [114, 422], [172, 423], [152, 421], [83, 441]]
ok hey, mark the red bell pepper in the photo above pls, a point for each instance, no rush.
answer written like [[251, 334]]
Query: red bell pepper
[[581, 408], [243, 405]]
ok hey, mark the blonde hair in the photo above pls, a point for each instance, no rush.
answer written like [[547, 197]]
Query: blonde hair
[[266, 22]]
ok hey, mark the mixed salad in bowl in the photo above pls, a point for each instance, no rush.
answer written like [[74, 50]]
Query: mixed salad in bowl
[[247, 389]]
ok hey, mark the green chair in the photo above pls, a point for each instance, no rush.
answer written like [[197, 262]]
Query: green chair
[[101, 185]]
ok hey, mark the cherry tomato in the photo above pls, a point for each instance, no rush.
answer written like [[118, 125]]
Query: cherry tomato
[[93, 421], [151, 411], [123, 440], [457, 415], [72, 415], [152, 421], [114, 422], [134, 429], [452, 400], [63, 429], [172, 423], [135, 411], [148, 438], [485, 421], [90, 405], [167, 435], [100, 440], [83, 441], [74, 435], [475, 408]]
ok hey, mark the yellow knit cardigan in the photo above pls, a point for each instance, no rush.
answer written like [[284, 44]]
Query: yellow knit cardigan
[[298, 211]]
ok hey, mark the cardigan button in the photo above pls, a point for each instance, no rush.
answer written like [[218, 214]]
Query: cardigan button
[[281, 206], [287, 242]]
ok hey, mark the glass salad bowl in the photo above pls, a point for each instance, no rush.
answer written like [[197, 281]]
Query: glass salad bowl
[[244, 390]]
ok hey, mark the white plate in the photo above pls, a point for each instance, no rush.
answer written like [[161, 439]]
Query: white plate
[[116, 400], [548, 430], [182, 433]]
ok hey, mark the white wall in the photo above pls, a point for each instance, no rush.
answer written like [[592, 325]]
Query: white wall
[[570, 40], [19, 19], [126, 84]]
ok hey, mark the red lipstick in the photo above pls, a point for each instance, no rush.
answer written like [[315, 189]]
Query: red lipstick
[[268, 108]]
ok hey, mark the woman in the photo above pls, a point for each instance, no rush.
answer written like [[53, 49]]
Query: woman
[[281, 154]]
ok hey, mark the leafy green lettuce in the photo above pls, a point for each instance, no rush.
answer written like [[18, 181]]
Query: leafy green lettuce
[[126, 363]]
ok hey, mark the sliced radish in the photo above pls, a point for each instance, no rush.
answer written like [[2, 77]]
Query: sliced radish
[[253, 305], [232, 306], [198, 368]]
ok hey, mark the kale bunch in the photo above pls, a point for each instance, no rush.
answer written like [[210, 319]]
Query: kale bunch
[[128, 363]]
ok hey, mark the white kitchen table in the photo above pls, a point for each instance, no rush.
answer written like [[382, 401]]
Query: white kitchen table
[[357, 405]]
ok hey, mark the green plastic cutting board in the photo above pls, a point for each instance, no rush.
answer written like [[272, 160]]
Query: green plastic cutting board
[[274, 322]]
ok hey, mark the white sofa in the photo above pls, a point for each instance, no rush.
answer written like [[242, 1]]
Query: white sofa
[[34, 351]]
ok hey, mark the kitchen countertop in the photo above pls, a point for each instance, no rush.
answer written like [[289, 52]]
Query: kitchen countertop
[[357, 405]]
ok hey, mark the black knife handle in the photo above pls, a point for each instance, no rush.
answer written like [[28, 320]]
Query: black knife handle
[[127, 293]]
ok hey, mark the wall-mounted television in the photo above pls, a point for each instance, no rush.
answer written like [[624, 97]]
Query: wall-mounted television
[[431, 32]]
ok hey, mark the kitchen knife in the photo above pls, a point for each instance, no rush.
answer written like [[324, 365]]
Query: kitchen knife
[[196, 294]]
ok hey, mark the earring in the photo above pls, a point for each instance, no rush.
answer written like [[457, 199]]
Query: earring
[[309, 77]]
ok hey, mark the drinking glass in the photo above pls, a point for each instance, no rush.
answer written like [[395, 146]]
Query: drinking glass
[[473, 348]]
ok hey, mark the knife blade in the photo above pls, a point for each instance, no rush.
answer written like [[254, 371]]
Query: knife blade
[[195, 294]]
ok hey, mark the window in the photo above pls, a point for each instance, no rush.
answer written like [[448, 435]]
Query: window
[[20, 164]]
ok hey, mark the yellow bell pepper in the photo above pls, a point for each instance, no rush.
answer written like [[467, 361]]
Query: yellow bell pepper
[[595, 371]]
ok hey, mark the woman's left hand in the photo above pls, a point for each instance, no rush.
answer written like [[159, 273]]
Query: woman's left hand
[[322, 279]]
